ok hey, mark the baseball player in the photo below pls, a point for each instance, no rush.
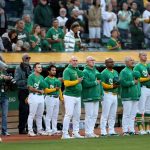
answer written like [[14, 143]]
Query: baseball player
[[36, 86], [144, 103], [91, 95], [72, 77], [110, 102], [52, 100], [130, 93]]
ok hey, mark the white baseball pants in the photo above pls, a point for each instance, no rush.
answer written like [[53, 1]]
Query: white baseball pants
[[52, 110], [91, 113], [129, 114], [144, 102], [109, 109], [36, 109], [72, 109]]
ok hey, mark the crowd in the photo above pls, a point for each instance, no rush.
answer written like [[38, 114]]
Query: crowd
[[46, 29], [39, 97]]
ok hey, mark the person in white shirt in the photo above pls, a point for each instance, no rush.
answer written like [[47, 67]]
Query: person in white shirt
[[70, 37], [146, 24], [62, 18], [109, 20]]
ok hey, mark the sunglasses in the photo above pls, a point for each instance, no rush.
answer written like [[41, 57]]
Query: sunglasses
[[28, 58]]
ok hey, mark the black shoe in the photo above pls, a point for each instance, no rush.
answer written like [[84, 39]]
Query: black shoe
[[23, 132]]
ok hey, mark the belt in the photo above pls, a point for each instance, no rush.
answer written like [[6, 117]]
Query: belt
[[111, 93], [55, 96]]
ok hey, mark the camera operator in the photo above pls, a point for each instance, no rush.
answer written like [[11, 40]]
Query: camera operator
[[4, 78], [21, 74]]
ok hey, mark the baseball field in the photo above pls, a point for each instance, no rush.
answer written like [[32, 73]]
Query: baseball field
[[105, 143]]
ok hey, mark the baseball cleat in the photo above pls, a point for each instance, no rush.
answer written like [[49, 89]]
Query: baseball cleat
[[142, 132], [31, 133], [77, 135], [66, 136]]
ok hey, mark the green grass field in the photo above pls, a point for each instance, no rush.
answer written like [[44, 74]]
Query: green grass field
[[107, 143]]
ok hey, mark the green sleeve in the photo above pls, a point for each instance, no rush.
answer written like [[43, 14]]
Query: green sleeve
[[86, 82], [30, 81], [124, 80], [49, 34], [66, 75]]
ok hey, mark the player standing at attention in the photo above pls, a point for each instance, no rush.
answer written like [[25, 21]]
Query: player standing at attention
[[91, 95], [36, 86], [72, 77], [52, 100], [110, 101], [144, 102], [130, 94]]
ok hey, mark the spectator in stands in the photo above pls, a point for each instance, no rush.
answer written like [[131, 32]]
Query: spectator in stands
[[62, 18], [70, 39], [21, 74], [28, 24], [109, 21], [74, 18], [94, 18], [146, 25], [4, 78], [3, 21], [35, 40], [134, 10], [55, 36], [23, 37], [137, 34], [124, 20], [44, 42], [114, 43], [76, 5], [10, 41], [43, 14], [114, 6]]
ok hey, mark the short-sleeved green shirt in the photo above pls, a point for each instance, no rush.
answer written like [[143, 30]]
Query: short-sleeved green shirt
[[72, 74], [112, 43], [52, 83], [107, 77], [36, 82], [142, 69], [55, 34]]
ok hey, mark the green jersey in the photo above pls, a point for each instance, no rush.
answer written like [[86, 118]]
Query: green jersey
[[92, 91], [129, 91], [52, 83], [142, 69], [71, 73], [107, 78], [112, 43], [35, 39], [56, 34], [36, 82]]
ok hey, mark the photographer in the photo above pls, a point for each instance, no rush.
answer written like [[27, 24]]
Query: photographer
[[3, 95], [21, 74]]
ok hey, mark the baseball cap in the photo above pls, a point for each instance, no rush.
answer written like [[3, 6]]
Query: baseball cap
[[25, 56]]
